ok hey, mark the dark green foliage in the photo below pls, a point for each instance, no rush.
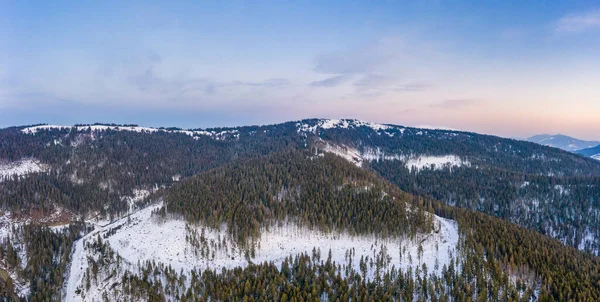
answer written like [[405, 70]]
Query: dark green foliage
[[567, 208], [324, 192], [90, 169], [565, 273]]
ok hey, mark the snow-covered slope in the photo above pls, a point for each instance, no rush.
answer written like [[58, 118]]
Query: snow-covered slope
[[350, 154], [564, 142], [21, 168], [7, 224], [143, 237], [418, 163], [435, 162]]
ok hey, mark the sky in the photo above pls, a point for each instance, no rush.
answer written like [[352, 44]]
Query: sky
[[508, 68]]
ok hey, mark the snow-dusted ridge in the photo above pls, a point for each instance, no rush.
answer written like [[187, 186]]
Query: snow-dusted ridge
[[429, 127], [312, 126], [219, 135], [304, 127]]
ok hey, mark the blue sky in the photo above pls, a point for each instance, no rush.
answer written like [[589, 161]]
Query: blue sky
[[512, 68]]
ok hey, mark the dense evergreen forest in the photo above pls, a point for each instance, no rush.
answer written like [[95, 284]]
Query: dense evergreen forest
[[544, 189], [326, 192], [256, 187], [90, 170], [249, 178]]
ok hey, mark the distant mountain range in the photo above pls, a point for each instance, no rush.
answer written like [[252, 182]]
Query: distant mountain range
[[564, 142], [591, 152]]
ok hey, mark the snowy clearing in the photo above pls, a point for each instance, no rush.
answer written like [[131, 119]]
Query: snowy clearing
[[142, 237], [21, 168], [377, 155], [435, 162]]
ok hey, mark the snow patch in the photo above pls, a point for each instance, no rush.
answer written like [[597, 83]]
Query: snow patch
[[561, 189], [21, 168], [350, 154], [138, 195], [588, 239], [428, 127], [377, 155], [435, 162], [346, 124]]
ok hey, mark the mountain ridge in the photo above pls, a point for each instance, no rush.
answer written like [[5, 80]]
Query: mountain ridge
[[561, 141], [593, 152]]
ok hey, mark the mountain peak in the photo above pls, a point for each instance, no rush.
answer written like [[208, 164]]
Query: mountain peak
[[562, 141]]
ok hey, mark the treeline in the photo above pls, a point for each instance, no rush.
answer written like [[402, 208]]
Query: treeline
[[327, 193]]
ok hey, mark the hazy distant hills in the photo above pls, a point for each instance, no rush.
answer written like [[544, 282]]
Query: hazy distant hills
[[564, 142], [591, 152]]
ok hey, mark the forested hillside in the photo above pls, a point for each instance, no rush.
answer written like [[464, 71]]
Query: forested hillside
[[89, 170], [544, 189], [323, 192], [99, 193]]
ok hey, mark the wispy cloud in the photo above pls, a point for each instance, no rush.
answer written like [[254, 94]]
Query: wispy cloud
[[455, 104], [270, 83], [374, 80], [353, 61], [332, 81], [579, 22], [410, 87], [385, 65]]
